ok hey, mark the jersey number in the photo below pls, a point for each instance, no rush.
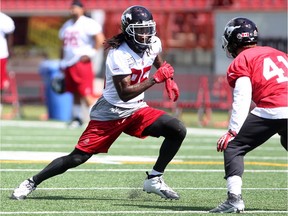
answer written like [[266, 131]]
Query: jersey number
[[70, 39], [270, 69], [139, 75]]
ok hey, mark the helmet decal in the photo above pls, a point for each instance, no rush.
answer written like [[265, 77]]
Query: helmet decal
[[230, 29]]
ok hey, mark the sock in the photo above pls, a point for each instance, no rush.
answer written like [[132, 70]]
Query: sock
[[155, 173], [234, 184], [77, 112]]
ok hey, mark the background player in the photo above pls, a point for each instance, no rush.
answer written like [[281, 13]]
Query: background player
[[260, 73], [82, 37], [122, 107], [7, 27]]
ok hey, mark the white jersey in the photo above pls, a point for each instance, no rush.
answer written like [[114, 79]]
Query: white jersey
[[124, 61], [6, 27], [78, 39]]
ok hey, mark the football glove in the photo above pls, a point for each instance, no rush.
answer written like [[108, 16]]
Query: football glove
[[225, 139], [172, 89], [163, 73]]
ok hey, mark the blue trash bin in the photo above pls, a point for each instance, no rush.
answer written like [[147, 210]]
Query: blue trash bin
[[59, 105]]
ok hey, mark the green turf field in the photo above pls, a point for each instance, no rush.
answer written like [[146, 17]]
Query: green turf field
[[111, 184]]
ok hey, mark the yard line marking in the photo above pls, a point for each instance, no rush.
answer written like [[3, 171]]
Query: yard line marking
[[46, 157], [146, 162], [220, 157], [133, 212], [143, 170], [140, 188], [47, 124], [123, 146]]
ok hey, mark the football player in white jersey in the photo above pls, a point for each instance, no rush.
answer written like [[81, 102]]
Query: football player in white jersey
[[7, 27], [82, 37], [122, 107]]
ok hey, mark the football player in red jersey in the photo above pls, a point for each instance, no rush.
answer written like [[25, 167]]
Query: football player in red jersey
[[259, 73], [122, 108]]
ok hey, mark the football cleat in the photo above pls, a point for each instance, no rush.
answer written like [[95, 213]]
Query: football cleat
[[24, 189], [156, 185], [234, 204], [75, 123]]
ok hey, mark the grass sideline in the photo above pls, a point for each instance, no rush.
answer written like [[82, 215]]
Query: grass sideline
[[111, 184]]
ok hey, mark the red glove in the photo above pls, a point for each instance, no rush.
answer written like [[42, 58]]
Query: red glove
[[225, 139], [172, 89], [165, 72]]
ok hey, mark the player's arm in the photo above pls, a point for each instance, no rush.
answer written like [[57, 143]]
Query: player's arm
[[158, 61], [242, 95], [170, 85], [99, 40], [61, 55], [126, 91], [10, 38]]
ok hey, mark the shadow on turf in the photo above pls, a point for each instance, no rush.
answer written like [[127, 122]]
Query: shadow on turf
[[173, 208]]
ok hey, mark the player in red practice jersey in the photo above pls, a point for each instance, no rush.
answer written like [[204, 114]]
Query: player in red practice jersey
[[122, 108], [258, 73]]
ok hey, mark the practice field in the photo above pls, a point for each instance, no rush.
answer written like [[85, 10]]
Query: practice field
[[111, 184]]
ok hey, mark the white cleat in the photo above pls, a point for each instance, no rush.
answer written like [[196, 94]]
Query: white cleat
[[157, 186], [24, 189], [234, 204]]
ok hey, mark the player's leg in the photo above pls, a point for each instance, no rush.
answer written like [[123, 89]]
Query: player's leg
[[174, 132], [97, 138], [254, 132], [79, 81], [61, 165], [77, 112], [56, 167], [86, 83], [3, 79], [283, 133]]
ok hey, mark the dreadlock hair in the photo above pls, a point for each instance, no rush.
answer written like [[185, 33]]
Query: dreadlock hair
[[115, 41]]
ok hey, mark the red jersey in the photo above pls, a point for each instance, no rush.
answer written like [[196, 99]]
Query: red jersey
[[267, 69]]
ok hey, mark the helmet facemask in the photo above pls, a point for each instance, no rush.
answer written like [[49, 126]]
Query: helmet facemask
[[224, 47], [142, 32]]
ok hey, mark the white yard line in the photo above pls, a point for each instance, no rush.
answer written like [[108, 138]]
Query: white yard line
[[130, 212], [131, 188], [50, 124], [143, 170]]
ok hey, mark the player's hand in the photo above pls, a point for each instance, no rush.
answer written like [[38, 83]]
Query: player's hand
[[165, 72], [85, 58], [172, 89], [225, 139]]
